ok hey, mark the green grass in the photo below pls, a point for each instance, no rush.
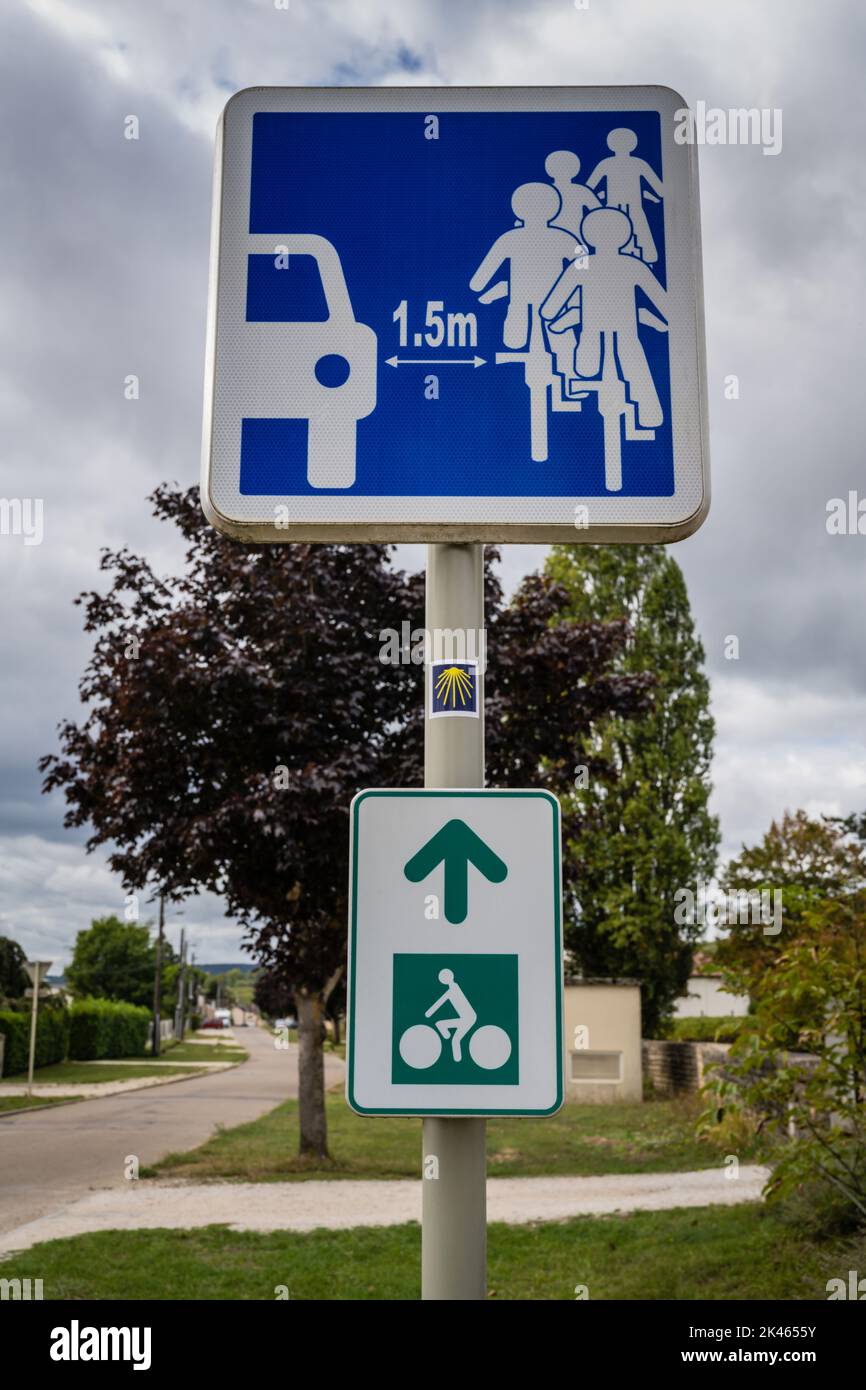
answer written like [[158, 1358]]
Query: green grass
[[742, 1252], [28, 1102], [76, 1073], [655, 1137]]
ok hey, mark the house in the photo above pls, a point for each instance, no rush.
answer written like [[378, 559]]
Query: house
[[602, 1040]]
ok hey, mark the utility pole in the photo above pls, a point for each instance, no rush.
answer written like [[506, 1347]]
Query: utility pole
[[454, 1188], [181, 1000], [157, 982]]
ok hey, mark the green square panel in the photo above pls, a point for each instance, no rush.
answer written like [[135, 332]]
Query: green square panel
[[455, 1020]]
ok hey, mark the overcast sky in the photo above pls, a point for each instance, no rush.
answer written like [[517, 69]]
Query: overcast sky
[[104, 273]]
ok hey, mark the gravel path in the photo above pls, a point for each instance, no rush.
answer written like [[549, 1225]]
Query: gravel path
[[303, 1206]]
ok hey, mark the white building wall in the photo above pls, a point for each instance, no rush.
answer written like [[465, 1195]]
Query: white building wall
[[705, 998]]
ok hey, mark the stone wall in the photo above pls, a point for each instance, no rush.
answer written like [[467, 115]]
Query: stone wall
[[673, 1067]]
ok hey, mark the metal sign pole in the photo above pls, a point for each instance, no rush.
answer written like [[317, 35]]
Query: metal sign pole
[[37, 970], [454, 1159]]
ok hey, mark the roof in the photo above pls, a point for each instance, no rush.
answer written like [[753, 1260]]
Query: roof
[[600, 980]]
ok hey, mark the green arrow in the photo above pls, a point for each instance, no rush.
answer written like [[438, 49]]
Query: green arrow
[[455, 846]]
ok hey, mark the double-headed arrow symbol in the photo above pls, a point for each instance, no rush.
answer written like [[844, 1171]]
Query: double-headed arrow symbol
[[455, 846], [435, 361]]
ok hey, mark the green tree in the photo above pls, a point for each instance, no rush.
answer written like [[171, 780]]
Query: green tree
[[813, 1001], [117, 960], [13, 977], [808, 862], [274, 994], [644, 828], [229, 988]]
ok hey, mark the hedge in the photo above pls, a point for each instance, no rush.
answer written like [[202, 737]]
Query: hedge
[[102, 1028], [706, 1029], [52, 1038]]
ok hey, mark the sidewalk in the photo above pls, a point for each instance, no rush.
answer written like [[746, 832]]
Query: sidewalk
[[161, 1062], [338, 1205], [92, 1089]]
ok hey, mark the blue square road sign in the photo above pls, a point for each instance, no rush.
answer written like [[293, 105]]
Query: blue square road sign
[[455, 314]]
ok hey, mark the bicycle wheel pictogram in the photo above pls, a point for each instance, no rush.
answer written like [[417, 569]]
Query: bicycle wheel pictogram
[[420, 1046], [489, 1047]]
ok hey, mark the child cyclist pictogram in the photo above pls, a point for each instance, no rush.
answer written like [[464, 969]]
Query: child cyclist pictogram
[[575, 273], [421, 1044]]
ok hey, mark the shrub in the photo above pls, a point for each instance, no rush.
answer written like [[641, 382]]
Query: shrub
[[819, 1211], [103, 1028], [725, 1030], [816, 1106], [52, 1038]]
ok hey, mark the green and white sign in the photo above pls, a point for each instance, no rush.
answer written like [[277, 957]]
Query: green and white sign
[[455, 954]]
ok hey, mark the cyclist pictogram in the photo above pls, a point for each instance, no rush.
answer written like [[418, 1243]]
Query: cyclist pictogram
[[421, 1045], [455, 1019]]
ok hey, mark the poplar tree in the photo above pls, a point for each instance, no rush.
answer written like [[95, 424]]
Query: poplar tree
[[644, 829]]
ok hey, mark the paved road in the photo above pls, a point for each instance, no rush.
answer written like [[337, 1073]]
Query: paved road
[[303, 1206], [51, 1158]]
